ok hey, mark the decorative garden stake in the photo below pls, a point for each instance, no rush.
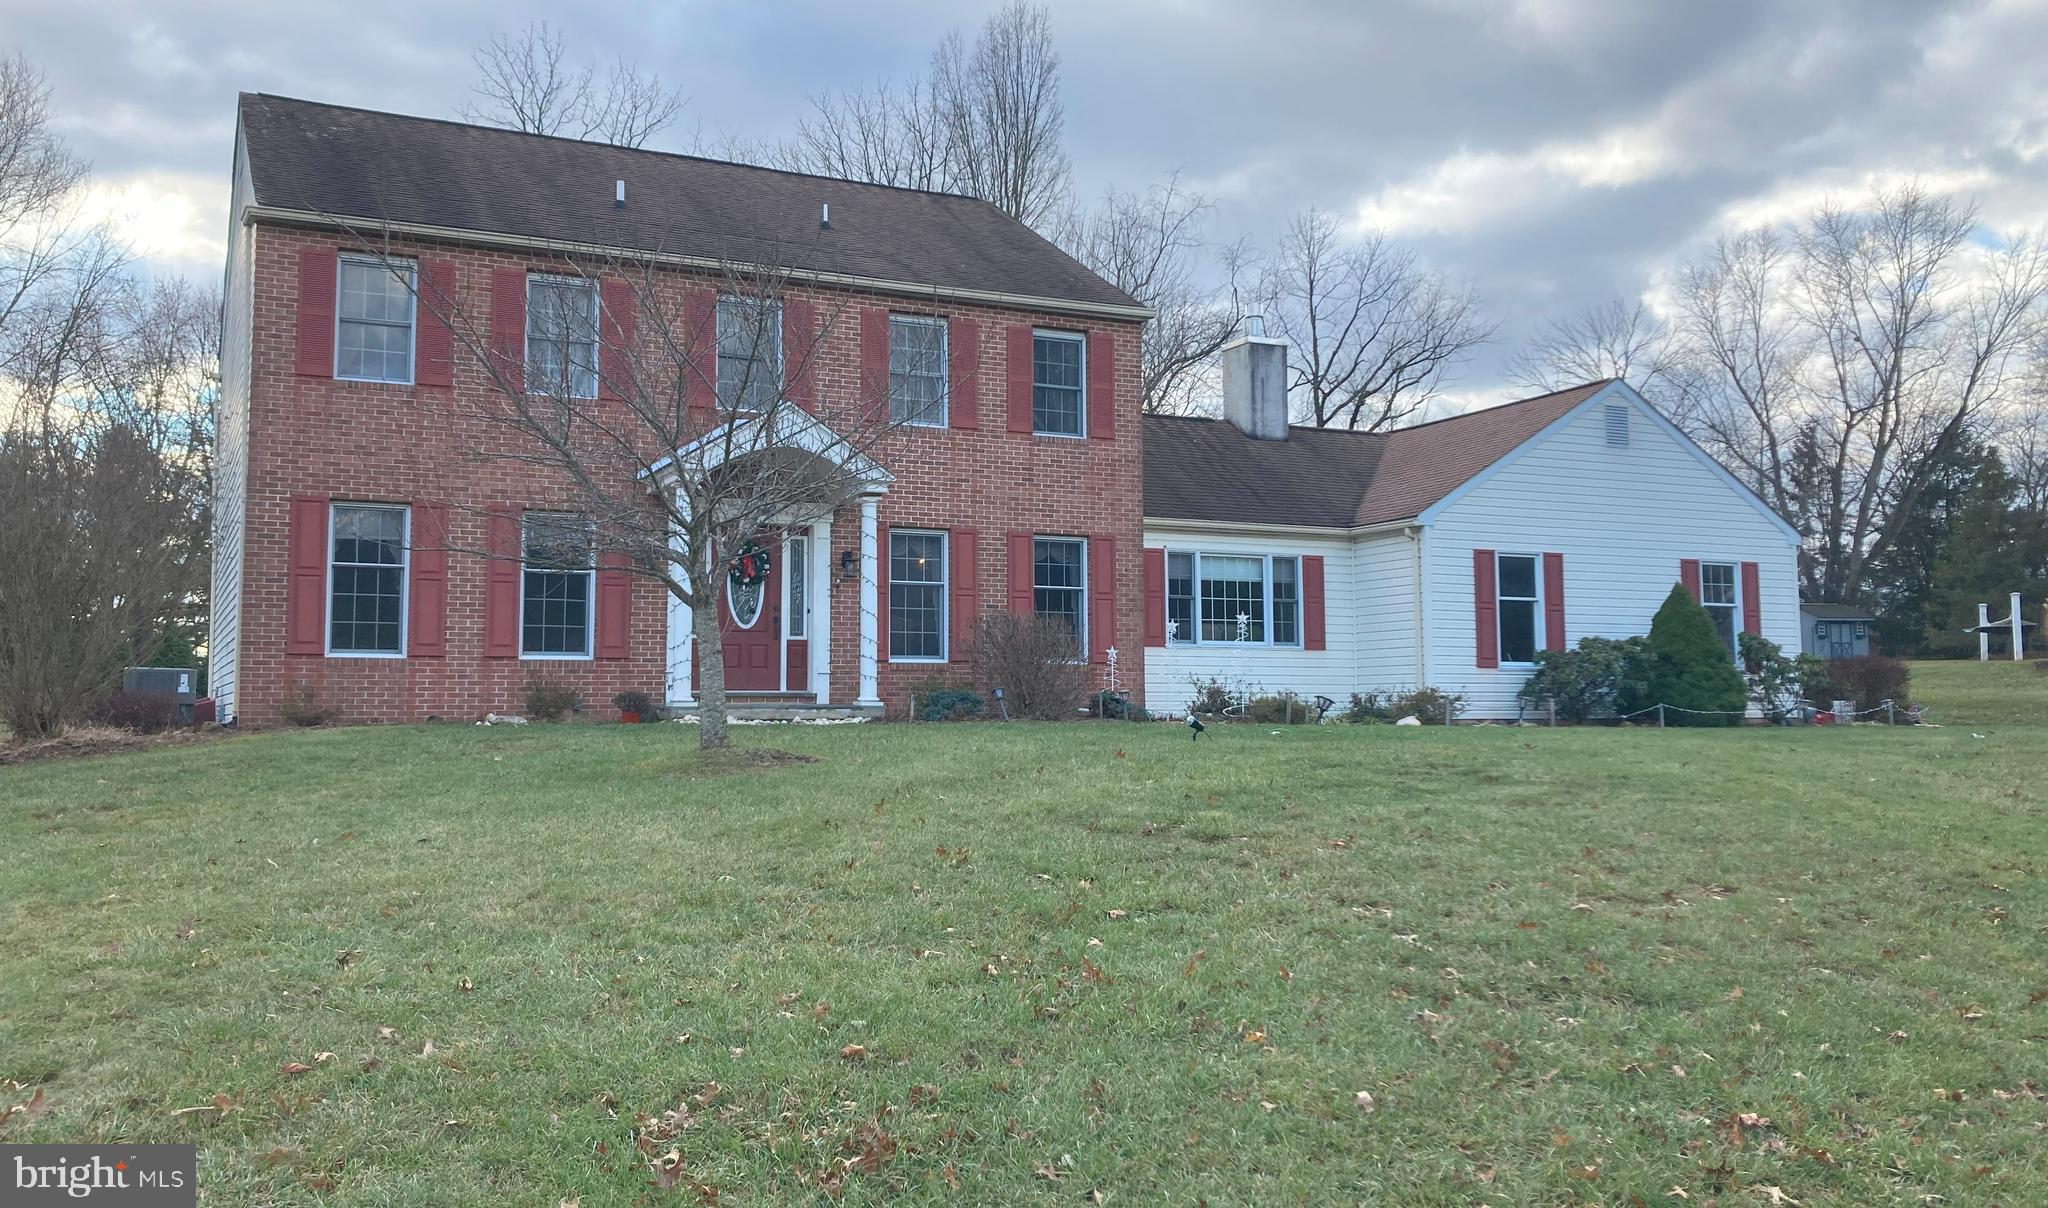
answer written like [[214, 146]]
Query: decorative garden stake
[[1109, 665], [1244, 627]]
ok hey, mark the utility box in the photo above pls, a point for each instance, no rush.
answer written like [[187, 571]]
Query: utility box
[[178, 683]]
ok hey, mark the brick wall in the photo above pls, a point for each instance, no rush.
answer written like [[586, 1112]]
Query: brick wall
[[382, 443]]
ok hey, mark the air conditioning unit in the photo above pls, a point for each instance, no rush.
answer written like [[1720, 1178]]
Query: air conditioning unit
[[181, 684]]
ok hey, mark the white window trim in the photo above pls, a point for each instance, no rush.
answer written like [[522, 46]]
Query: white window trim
[[945, 419], [589, 604], [1500, 643], [1735, 579], [1266, 585], [596, 328], [404, 585], [945, 586], [781, 353], [1087, 649], [1080, 340], [412, 321]]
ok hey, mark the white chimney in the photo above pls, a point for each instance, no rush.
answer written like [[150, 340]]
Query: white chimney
[[1255, 382]]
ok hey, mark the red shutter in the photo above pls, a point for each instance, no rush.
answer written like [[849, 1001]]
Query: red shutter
[[1017, 379], [620, 320], [874, 365], [963, 373], [1689, 574], [426, 628], [508, 326], [314, 354], [1485, 608], [1314, 635], [501, 586], [1101, 385], [614, 605], [963, 546], [1752, 604], [436, 341], [1155, 597], [700, 346], [1553, 601], [1021, 595], [305, 596], [800, 349], [882, 590], [1101, 595]]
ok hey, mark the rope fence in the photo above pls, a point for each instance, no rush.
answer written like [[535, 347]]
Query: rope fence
[[1891, 709]]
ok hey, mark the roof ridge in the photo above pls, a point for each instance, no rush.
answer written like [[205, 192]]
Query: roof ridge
[[1513, 402], [591, 142]]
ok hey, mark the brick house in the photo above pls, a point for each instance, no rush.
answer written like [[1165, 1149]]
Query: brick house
[[344, 503]]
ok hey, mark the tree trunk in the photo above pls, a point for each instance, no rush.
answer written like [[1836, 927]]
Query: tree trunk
[[713, 733]]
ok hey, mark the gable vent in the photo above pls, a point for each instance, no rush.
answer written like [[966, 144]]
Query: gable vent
[[1617, 425]]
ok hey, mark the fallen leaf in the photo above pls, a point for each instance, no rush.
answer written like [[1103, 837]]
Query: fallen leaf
[[387, 1034], [1115, 915], [1363, 1101], [854, 1052], [1734, 995], [465, 985], [293, 1068], [667, 1169], [1776, 1194]]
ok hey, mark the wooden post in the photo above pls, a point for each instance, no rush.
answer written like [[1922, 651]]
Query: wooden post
[[1553, 713]]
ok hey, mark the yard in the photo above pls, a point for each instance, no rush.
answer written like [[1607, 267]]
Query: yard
[[454, 965]]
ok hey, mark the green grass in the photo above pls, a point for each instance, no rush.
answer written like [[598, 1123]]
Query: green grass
[[1562, 963], [2000, 692]]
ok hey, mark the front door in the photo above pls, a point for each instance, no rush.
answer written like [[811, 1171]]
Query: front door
[[750, 614]]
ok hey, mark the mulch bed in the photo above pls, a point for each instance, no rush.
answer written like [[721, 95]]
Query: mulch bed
[[82, 741]]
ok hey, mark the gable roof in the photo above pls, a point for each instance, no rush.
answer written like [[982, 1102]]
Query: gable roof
[[372, 167], [1205, 469], [1826, 611]]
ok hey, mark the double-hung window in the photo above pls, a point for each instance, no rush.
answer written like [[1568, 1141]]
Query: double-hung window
[[366, 579], [555, 585], [561, 336], [1057, 406], [917, 595], [1059, 585], [917, 370], [1252, 599], [374, 320], [749, 353], [1519, 606], [1717, 594]]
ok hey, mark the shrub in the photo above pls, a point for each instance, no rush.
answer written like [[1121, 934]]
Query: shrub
[[140, 712], [1590, 681], [302, 707], [548, 699], [1213, 696], [949, 704], [641, 703], [1283, 708], [1430, 706], [1369, 707], [1032, 660], [1689, 667], [1869, 680]]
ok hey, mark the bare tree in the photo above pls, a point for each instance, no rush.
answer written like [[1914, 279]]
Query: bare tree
[[887, 135], [528, 83], [38, 178], [1000, 100], [1618, 340], [677, 431], [985, 121], [1376, 334], [1148, 245]]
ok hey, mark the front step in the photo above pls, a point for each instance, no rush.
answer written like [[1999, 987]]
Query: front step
[[797, 707]]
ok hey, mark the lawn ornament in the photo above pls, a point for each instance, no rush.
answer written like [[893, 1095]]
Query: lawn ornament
[[1195, 727]]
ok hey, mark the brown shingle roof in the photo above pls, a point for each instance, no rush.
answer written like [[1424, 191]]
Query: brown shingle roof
[[1205, 469], [335, 160]]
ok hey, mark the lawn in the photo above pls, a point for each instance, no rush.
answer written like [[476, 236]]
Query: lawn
[[456, 965]]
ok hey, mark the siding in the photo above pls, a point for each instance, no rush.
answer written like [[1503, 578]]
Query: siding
[[231, 453], [1382, 568], [1622, 518], [1171, 672]]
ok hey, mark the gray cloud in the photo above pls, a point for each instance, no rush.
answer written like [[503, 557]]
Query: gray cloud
[[1556, 152]]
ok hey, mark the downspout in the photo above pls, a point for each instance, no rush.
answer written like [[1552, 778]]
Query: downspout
[[1415, 579]]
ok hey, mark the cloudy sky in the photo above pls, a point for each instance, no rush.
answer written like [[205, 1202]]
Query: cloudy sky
[[1556, 152]]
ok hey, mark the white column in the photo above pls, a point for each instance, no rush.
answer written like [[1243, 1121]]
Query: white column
[[680, 635], [820, 596], [1983, 633], [2019, 631], [870, 616]]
